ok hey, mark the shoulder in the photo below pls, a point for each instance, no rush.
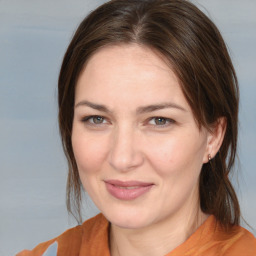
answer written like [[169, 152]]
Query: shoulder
[[212, 239], [241, 243], [235, 241], [94, 226], [69, 242]]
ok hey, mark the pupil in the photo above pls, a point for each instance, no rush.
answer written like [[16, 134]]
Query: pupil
[[160, 121], [97, 120]]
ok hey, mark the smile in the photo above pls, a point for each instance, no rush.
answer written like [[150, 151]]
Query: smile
[[128, 187], [128, 190]]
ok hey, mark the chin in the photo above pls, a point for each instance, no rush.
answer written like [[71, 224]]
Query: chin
[[128, 223], [128, 218]]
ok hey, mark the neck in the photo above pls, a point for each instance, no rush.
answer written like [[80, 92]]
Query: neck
[[157, 239]]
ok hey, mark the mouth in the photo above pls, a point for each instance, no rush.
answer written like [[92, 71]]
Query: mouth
[[127, 190]]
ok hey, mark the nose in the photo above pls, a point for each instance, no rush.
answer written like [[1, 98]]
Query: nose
[[125, 153]]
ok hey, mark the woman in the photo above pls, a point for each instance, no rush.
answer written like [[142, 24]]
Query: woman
[[148, 109]]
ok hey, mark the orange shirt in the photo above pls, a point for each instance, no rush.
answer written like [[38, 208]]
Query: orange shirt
[[91, 239]]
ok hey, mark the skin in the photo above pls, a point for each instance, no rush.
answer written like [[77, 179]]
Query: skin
[[127, 142]]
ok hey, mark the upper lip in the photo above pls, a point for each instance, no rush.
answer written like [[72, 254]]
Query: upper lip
[[130, 183]]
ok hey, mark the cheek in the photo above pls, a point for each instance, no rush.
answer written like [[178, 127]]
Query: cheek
[[177, 156], [89, 153]]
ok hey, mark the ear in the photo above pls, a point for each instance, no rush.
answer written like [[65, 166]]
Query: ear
[[215, 139]]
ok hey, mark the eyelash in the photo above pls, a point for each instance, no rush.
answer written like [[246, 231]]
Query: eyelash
[[168, 121], [86, 119]]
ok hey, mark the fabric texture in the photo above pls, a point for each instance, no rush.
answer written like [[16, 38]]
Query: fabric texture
[[91, 239]]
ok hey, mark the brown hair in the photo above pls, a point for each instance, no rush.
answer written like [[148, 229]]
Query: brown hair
[[195, 49]]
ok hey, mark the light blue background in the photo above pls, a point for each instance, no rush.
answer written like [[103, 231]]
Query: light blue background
[[33, 39]]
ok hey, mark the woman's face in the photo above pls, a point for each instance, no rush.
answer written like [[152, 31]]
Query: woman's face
[[138, 149]]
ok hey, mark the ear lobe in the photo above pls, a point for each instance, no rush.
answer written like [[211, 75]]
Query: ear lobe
[[215, 138]]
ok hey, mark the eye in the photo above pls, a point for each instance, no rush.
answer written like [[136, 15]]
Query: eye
[[160, 121], [94, 119], [97, 119]]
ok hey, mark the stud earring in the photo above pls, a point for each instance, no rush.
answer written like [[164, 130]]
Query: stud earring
[[209, 157]]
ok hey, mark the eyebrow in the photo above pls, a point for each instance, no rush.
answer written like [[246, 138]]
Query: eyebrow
[[154, 107], [139, 110], [99, 107]]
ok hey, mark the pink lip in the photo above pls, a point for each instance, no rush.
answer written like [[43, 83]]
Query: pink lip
[[127, 190]]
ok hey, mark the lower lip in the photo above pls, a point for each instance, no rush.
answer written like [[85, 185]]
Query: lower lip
[[127, 194]]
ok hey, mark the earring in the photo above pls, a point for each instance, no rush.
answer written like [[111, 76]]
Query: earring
[[209, 157]]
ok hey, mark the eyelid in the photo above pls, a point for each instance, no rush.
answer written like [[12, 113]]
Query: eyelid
[[169, 121], [86, 119]]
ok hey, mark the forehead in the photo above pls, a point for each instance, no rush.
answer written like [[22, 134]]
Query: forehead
[[127, 55], [142, 52], [128, 71], [126, 58]]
